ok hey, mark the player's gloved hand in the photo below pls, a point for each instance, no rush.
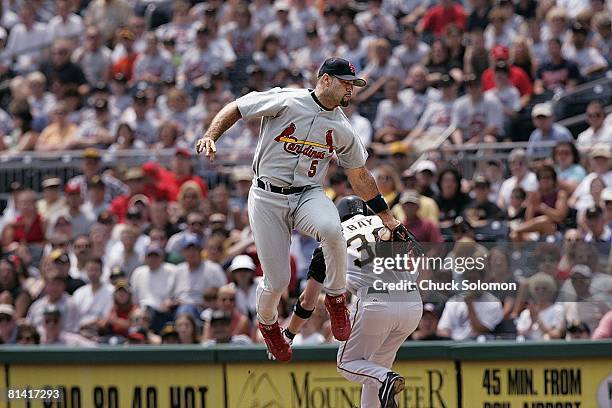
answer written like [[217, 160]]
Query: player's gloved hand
[[206, 145]]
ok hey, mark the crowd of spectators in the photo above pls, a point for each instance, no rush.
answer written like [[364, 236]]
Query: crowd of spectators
[[158, 254]]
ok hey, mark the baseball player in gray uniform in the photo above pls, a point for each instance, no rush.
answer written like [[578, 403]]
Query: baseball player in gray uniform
[[301, 130], [381, 319]]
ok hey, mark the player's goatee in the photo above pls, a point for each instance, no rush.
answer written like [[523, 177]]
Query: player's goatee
[[344, 103]]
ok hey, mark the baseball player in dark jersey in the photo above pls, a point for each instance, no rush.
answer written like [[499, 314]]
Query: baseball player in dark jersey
[[301, 130]]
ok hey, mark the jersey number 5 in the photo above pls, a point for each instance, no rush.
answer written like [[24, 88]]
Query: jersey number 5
[[313, 168]]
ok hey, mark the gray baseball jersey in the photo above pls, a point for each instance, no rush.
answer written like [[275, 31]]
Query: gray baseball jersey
[[299, 137]]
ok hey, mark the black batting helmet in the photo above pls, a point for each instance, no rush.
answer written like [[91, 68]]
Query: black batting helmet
[[350, 206]]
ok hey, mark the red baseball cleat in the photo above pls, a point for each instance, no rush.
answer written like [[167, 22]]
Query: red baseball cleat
[[275, 341], [339, 316]]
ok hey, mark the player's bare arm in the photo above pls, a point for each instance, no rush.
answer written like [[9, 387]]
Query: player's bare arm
[[364, 185], [225, 119]]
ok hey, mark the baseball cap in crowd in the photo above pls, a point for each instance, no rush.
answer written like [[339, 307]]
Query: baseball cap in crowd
[[7, 310], [219, 316], [91, 153], [410, 196], [500, 52], [101, 104], [583, 270], [594, 212], [281, 5], [542, 109], [72, 188], [51, 182], [242, 262], [139, 199], [481, 181], [425, 165], [116, 274], [154, 248], [606, 194], [191, 240], [217, 218], [433, 309], [578, 326], [342, 69], [122, 284], [52, 309], [601, 150]]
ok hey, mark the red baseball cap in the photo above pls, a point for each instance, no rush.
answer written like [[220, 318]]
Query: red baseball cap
[[72, 188], [499, 52]]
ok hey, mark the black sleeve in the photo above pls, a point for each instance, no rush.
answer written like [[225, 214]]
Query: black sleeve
[[317, 267]]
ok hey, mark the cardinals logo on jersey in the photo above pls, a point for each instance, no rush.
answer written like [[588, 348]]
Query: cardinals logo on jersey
[[292, 145]]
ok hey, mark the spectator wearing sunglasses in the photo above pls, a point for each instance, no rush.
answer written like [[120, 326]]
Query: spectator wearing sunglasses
[[597, 132], [27, 335], [53, 333]]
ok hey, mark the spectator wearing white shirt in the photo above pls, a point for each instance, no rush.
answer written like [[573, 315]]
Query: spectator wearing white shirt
[[505, 93], [600, 167], [93, 57], [27, 40], [412, 50], [471, 314], [271, 58], [200, 60], [597, 132], [291, 36], [53, 330], [520, 177], [545, 130], [597, 230], [362, 126], [542, 319], [124, 253], [585, 307], [142, 119], [588, 58], [195, 276], [477, 117], [375, 22], [66, 24], [154, 64], [94, 300], [498, 32], [242, 271], [55, 294], [394, 120], [154, 285], [352, 45]]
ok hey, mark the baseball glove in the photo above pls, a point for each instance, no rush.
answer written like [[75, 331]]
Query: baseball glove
[[401, 241]]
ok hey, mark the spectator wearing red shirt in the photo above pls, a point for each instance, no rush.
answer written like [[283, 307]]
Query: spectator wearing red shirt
[[439, 17], [29, 226], [158, 182], [181, 171], [518, 76], [424, 230], [135, 180], [125, 65]]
